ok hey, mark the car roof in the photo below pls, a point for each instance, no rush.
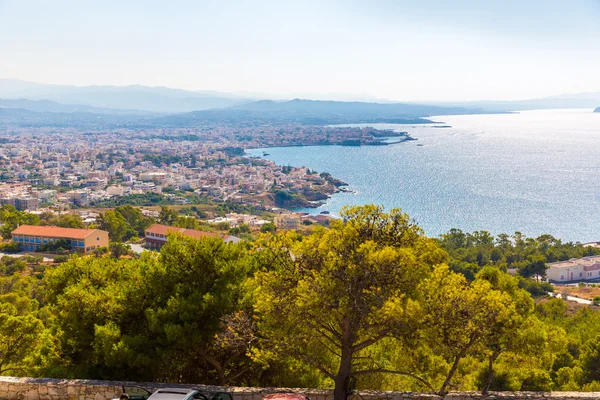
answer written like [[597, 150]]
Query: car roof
[[284, 396], [172, 394]]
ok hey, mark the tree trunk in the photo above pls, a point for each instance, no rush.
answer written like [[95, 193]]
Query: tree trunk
[[457, 359], [490, 376], [343, 376]]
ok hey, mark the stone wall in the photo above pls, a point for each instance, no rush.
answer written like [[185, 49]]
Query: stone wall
[[77, 389]]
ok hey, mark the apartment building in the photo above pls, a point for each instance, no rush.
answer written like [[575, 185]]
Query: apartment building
[[31, 237], [575, 269], [288, 221], [156, 235]]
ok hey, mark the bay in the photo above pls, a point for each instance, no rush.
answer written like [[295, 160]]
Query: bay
[[535, 172]]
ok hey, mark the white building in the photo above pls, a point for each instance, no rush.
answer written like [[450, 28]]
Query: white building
[[582, 269]]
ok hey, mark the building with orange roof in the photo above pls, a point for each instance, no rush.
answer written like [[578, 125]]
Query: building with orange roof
[[156, 235], [31, 237]]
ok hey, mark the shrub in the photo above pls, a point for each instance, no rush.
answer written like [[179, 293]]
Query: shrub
[[61, 259], [10, 247]]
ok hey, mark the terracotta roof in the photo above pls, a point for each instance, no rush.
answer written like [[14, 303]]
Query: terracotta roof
[[165, 229], [52, 231]]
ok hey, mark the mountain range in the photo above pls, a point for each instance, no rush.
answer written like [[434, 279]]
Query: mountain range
[[134, 97], [34, 104]]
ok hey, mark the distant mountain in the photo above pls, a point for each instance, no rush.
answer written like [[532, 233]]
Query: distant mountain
[[353, 109], [51, 106], [314, 112], [82, 120], [573, 100], [135, 97], [597, 110]]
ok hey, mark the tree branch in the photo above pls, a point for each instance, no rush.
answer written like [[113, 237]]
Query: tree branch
[[317, 366], [391, 371], [368, 342]]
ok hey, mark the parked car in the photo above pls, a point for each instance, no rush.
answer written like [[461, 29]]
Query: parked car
[[139, 393], [285, 396]]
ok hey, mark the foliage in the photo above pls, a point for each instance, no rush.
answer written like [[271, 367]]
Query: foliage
[[470, 252], [10, 247], [327, 298], [63, 220], [114, 223], [268, 227], [370, 297], [11, 218], [59, 245], [160, 313]]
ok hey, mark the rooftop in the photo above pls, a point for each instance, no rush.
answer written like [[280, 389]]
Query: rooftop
[[52, 231], [165, 229], [585, 261]]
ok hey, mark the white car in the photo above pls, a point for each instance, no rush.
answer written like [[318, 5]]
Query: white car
[[139, 393]]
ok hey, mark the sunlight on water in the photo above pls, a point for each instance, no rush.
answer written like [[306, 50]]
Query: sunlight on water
[[534, 172]]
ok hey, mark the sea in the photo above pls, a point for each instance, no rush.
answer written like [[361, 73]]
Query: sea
[[534, 172]]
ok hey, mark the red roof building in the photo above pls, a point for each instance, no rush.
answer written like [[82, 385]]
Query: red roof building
[[31, 237], [156, 235]]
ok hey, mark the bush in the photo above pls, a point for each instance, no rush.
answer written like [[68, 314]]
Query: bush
[[268, 227], [596, 301], [536, 289], [61, 259], [33, 259], [100, 251], [12, 265], [10, 247], [55, 245]]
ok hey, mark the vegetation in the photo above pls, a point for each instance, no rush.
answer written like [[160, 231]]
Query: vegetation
[[370, 297], [470, 252], [11, 218]]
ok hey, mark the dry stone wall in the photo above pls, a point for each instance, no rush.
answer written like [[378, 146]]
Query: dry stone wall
[[77, 389]]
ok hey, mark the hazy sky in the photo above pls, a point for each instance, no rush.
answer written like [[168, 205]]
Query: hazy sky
[[394, 49]]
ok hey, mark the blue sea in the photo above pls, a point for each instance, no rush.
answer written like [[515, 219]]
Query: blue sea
[[534, 172]]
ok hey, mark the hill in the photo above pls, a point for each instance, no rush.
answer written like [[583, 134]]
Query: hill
[[52, 106], [82, 120], [570, 100], [597, 110], [315, 112], [134, 97]]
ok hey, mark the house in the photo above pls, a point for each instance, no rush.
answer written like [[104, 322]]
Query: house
[[288, 221], [575, 269], [31, 237], [156, 235]]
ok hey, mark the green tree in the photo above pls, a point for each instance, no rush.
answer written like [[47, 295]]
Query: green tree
[[590, 360], [11, 218], [459, 317], [268, 227], [328, 298], [114, 223], [167, 216], [64, 220], [20, 331], [135, 220]]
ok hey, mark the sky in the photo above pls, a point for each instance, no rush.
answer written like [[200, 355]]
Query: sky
[[382, 49]]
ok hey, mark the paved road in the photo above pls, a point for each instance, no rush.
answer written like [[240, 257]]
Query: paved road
[[572, 298], [137, 248]]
